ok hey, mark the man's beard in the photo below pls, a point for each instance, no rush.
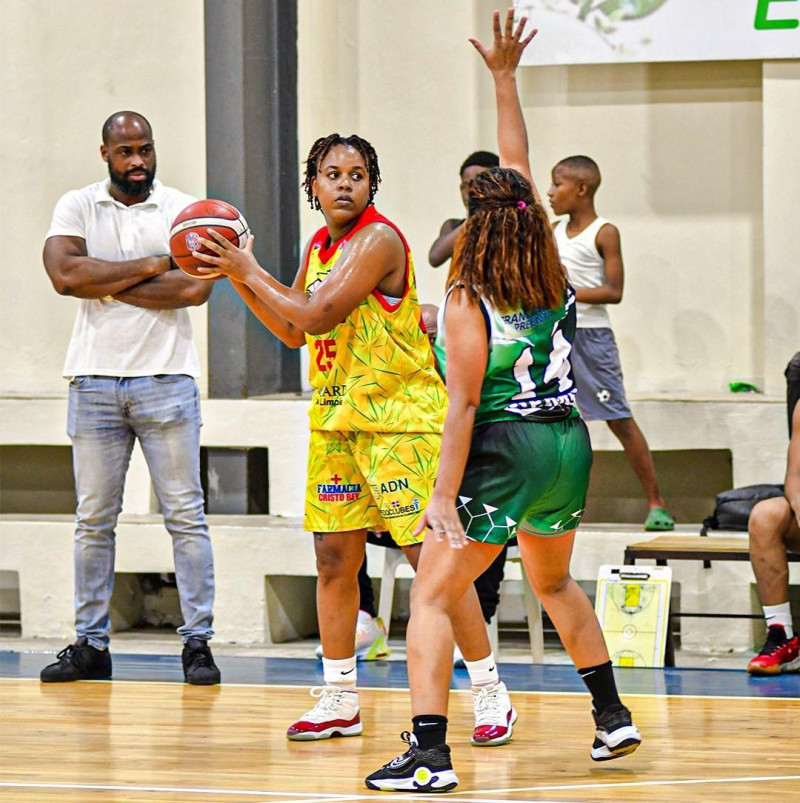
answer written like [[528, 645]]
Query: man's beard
[[132, 189]]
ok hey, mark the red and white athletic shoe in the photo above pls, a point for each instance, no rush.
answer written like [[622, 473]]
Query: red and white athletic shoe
[[335, 714], [494, 715], [778, 654]]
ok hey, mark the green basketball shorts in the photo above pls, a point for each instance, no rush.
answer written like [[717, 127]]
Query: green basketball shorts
[[527, 473]]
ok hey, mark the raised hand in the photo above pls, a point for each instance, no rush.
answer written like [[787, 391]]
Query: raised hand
[[506, 50]]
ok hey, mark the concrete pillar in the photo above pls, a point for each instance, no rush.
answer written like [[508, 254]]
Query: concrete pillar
[[781, 109], [251, 129]]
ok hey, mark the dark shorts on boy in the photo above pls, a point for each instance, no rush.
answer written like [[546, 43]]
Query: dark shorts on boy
[[525, 473], [598, 376]]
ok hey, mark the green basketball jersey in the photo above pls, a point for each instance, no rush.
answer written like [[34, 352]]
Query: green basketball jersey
[[529, 374]]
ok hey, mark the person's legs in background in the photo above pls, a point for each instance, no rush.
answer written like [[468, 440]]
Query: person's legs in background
[[165, 414], [773, 530], [102, 442], [601, 397], [627, 432]]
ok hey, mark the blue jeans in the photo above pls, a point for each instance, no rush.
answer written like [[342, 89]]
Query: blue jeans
[[106, 414]]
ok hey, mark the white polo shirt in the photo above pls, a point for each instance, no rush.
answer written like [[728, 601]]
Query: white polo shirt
[[111, 338]]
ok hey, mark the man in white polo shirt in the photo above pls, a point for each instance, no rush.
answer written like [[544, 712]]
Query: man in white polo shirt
[[132, 366]]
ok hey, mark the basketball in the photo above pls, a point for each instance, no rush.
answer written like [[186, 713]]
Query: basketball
[[194, 222]]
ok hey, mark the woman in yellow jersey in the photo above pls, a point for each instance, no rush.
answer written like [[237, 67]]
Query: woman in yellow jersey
[[378, 405]]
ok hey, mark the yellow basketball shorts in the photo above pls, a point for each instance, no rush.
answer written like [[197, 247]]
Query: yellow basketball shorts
[[372, 480]]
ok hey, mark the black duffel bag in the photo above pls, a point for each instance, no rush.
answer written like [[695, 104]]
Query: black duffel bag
[[733, 507]]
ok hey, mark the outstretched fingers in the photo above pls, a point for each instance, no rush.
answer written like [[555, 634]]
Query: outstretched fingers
[[509, 28], [508, 42], [478, 45]]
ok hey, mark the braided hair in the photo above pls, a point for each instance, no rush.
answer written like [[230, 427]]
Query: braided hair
[[507, 251], [321, 148]]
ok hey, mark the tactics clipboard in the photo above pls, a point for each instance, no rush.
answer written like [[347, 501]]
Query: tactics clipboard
[[632, 605]]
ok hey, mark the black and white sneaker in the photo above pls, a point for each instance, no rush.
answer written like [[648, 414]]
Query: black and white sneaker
[[416, 770], [615, 733]]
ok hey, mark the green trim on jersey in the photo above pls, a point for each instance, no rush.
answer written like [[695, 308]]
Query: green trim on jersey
[[528, 374]]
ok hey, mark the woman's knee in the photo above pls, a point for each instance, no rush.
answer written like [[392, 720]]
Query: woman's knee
[[549, 584], [335, 561], [434, 592]]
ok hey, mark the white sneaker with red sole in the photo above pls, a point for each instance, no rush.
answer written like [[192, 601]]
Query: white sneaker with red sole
[[335, 714], [494, 715]]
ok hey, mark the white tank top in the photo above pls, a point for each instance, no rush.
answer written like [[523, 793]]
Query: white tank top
[[586, 269]]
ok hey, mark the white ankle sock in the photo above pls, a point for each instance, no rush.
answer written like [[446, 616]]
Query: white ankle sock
[[780, 615], [483, 672], [340, 672]]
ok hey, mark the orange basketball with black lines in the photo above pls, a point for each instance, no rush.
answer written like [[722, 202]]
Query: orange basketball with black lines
[[194, 222]]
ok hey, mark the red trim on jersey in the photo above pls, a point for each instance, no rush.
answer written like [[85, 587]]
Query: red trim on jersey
[[368, 216], [388, 305]]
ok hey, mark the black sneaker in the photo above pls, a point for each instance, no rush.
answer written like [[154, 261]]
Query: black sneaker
[[615, 733], [79, 661], [416, 770], [199, 668]]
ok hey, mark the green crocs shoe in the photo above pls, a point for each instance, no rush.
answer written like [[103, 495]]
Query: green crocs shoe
[[659, 519]]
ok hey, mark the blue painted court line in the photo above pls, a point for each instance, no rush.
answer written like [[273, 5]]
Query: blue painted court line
[[393, 675]]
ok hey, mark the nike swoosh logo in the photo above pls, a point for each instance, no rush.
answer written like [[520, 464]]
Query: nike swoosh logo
[[491, 669], [426, 724], [348, 671]]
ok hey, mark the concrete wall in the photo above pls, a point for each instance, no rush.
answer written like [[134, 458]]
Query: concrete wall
[[695, 157], [66, 67], [690, 153]]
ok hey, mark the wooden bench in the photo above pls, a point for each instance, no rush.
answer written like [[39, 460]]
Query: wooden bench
[[699, 548], [692, 547]]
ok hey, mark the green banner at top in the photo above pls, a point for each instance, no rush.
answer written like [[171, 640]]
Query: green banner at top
[[608, 31]]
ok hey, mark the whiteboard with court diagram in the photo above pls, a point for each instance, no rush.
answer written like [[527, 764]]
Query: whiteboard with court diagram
[[632, 605]]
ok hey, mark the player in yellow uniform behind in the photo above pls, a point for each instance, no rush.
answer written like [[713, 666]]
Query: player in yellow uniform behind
[[377, 409]]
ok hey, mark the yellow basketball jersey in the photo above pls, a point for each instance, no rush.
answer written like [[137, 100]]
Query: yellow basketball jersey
[[373, 372]]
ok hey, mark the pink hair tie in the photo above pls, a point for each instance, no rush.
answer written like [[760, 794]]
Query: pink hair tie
[[522, 205]]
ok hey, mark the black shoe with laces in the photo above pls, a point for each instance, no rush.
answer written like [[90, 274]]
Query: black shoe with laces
[[417, 770], [199, 668], [615, 733], [79, 661]]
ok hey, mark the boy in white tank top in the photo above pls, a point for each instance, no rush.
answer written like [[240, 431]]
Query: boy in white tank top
[[590, 249]]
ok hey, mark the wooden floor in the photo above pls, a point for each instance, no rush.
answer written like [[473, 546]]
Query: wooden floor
[[149, 742]]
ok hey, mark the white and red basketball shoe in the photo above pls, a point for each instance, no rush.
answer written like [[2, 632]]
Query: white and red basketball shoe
[[494, 715], [335, 714]]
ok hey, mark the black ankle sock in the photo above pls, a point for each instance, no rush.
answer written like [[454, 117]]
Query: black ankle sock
[[430, 730], [600, 682]]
